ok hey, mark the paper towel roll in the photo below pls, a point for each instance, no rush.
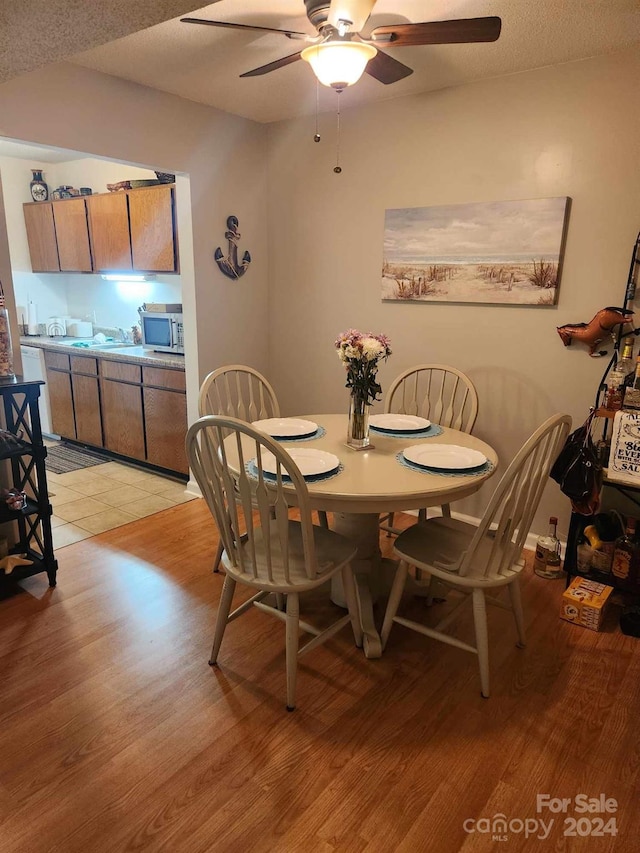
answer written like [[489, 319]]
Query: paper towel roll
[[32, 319]]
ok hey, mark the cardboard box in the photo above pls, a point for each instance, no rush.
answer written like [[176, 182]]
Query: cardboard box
[[584, 603]]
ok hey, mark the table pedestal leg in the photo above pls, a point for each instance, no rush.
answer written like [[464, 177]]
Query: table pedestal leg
[[363, 530]]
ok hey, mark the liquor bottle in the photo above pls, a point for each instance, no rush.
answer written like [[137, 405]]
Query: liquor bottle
[[617, 379], [632, 393], [625, 363], [626, 555], [546, 563]]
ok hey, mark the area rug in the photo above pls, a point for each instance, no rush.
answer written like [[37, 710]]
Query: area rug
[[63, 458]]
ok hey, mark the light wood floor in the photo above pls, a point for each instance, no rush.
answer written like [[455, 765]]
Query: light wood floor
[[115, 734]]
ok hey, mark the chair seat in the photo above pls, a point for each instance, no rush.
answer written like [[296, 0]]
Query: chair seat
[[437, 546], [333, 551]]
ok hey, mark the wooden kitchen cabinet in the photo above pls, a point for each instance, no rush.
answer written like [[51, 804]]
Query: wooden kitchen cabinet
[[86, 400], [165, 417], [122, 413], [41, 236], [132, 409], [119, 231], [109, 231], [60, 394], [152, 225], [72, 234]]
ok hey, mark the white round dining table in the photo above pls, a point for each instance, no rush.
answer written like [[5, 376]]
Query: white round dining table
[[374, 481]]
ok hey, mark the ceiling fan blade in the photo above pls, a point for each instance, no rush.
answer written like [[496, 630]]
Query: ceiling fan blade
[[386, 69], [356, 12], [439, 32], [272, 66], [227, 25]]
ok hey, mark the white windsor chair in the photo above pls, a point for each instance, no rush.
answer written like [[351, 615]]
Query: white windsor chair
[[263, 548], [475, 559], [440, 393]]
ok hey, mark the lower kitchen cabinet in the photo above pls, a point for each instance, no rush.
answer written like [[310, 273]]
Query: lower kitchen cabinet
[[137, 411], [122, 415], [86, 400], [165, 416], [60, 394]]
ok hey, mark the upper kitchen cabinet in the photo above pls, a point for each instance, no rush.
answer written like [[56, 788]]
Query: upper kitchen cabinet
[[134, 230], [109, 230], [41, 236], [153, 233], [118, 231], [74, 252]]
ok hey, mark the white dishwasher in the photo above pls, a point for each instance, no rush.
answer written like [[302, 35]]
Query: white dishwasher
[[33, 368]]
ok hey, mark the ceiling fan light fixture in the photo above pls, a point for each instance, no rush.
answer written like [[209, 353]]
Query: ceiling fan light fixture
[[339, 64]]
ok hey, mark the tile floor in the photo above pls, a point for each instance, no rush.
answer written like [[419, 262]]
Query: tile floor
[[92, 500]]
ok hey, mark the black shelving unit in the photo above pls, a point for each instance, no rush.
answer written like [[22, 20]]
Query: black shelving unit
[[28, 474]]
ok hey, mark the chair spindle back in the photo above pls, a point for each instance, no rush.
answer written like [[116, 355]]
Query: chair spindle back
[[251, 506], [438, 392], [238, 392], [501, 535]]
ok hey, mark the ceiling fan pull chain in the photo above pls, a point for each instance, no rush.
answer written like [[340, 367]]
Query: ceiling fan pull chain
[[316, 135], [338, 168]]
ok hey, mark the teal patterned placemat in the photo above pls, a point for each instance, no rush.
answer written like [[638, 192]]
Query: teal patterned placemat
[[440, 472]]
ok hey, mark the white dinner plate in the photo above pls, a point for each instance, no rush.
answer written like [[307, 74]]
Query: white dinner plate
[[399, 423], [449, 456], [286, 427], [309, 460]]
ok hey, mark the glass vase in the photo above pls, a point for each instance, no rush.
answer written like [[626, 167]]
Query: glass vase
[[358, 432]]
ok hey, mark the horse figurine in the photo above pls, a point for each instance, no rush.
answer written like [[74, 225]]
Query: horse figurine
[[592, 333]]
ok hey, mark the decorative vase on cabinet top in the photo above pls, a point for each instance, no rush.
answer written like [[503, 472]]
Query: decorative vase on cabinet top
[[39, 189]]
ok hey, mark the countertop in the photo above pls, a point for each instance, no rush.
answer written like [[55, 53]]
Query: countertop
[[125, 353]]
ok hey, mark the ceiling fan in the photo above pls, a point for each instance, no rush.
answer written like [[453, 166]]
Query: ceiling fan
[[340, 53]]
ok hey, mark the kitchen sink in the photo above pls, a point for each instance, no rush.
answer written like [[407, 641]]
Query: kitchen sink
[[91, 344], [109, 345]]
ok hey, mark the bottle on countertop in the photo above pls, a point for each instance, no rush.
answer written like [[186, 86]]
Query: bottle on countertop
[[617, 379], [632, 392], [626, 557], [547, 563]]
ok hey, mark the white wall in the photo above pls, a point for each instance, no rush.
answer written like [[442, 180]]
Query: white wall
[[70, 107], [572, 130]]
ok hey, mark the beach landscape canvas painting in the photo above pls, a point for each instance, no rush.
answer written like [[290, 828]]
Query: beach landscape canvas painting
[[496, 253]]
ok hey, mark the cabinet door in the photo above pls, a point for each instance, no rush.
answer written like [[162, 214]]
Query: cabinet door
[[41, 236], [109, 230], [61, 402], [86, 400], [153, 243], [122, 418], [72, 232], [165, 419]]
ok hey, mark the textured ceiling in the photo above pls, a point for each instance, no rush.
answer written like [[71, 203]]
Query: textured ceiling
[[36, 32], [204, 63]]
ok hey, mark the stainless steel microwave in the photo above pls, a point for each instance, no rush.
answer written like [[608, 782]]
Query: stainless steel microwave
[[162, 332]]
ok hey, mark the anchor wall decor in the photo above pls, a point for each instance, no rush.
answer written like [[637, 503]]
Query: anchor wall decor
[[229, 265]]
